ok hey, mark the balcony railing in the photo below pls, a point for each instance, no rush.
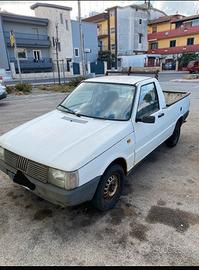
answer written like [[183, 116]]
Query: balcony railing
[[173, 33], [29, 40], [101, 33], [31, 65]]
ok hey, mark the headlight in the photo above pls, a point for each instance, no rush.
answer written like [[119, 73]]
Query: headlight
[[67, 180], [1, 153]]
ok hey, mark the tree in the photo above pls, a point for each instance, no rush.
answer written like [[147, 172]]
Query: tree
[[185, 58], [107, 56]]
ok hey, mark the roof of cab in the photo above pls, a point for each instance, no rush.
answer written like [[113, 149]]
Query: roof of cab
[[119, 79]]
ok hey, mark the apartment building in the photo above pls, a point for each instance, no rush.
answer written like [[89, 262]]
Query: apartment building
[[171, 36], [59, 26], [33, 43], [123, 30]]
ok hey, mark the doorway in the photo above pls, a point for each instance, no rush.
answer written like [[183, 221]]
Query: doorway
[[37, 55]]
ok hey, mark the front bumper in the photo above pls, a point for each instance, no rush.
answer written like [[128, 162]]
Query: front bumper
[[57, 195], [3, 95]]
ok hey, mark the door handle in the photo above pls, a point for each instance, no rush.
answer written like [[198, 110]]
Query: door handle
[[160, 115]]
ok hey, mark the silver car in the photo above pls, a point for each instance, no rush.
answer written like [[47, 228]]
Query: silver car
[[3, 93]]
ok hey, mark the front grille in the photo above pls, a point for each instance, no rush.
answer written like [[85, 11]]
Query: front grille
[[29, 167]]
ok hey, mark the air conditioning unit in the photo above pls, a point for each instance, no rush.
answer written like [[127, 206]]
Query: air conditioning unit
[[87, 50]]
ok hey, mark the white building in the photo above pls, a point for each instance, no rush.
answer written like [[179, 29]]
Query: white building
[[58, 16], [132, 23]]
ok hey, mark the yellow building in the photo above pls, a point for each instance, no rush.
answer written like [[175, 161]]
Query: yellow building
[[106, 29], [170, 36], [106, 25]]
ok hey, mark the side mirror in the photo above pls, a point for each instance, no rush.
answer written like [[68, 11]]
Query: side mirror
[[146, 119]]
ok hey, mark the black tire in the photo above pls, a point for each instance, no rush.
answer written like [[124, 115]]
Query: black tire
[[173, 140], [109, 189]]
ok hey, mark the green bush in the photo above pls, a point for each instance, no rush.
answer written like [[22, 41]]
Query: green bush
[[74, 82], [10, 89], [23, 87]]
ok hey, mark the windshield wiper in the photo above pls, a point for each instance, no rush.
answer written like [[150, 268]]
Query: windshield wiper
[[69, 110]]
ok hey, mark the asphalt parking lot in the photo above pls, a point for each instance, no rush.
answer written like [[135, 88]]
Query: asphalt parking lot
[[156, 221]]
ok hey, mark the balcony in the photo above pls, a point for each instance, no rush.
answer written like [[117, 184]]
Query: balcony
[[175, 50], [102, 34], [31, 65], [173, 33], [29, 40]]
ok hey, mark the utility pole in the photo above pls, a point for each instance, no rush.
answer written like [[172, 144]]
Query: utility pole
[[81, 39], [57, 56]]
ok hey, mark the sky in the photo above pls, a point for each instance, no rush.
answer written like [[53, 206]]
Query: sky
[[170, 7]]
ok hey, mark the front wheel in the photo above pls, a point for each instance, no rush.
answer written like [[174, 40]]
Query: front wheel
[[173, 140], [109, 189]]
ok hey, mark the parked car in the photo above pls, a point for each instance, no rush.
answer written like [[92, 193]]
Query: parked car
[[5, 75], [84, 149], [193, 66], [169, 66], [3, 93]]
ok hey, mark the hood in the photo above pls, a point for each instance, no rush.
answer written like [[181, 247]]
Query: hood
[[64, 141]]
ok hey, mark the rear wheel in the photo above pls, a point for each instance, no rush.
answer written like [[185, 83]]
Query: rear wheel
[[109, 189], [173, 140]]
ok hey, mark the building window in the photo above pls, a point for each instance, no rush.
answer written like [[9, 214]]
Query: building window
[[22, 53], [76, 51], [172, 43], [190, 41], [53, 40], [140, 38], [112, 30], [100, 44], [36, 55], [154, 45], [113, 46], [59, 46], [154, 29], [61, 18], [140, 21], [68, 63], [66, 24]]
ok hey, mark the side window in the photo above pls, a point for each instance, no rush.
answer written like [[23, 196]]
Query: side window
[[148, 101]]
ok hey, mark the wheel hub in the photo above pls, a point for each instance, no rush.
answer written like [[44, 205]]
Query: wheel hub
[[111, 187]]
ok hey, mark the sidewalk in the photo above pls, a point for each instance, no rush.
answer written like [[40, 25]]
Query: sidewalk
[[186, 80]]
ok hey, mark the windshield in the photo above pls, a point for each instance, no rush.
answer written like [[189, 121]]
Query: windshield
[[101, 100]]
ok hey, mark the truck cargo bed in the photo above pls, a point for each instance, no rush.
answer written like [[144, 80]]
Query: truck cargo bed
[[172, 97]]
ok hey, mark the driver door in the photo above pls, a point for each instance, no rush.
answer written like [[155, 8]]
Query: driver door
[[147, 134]]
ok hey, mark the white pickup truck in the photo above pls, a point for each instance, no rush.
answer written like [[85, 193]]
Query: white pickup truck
[[84, 149]]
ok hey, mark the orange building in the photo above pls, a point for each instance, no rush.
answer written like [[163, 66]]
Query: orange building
[[171, 36]]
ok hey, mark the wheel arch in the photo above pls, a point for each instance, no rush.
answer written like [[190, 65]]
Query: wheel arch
[[180, 120], [120, 161]]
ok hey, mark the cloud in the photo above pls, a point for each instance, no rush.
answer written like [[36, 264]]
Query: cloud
[[183, 7], [170, 7]]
